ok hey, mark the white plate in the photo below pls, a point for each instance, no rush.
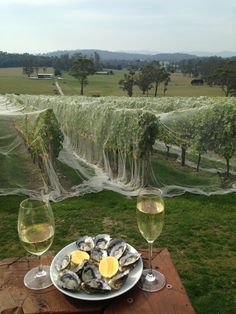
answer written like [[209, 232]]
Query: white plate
[[132, 279]]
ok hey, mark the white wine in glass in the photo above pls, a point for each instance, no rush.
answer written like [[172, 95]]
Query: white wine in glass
[[36, 229], [150, 219]]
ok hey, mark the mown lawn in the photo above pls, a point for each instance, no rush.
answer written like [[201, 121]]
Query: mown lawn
[[12, 81], [199, 231], [106, 85]]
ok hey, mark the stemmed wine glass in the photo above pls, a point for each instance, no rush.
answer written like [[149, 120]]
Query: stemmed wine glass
[[150, 220], [36, 229]]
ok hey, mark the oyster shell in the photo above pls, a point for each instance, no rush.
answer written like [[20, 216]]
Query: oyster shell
[[118, 280], [96, 285], [98, 254], [116, 248], [89, 272], [102, 241], [85, 243], [78, 268], [63, 263], [128, 259], [69, 280]]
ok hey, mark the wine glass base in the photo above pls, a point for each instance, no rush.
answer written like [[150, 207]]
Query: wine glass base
[[36, 280], [151, 283]]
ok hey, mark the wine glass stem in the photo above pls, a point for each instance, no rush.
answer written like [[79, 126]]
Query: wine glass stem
[[150, 244], [40, 271], [40, 264]]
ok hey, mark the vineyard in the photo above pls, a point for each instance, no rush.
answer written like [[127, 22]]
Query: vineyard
[[84, 144]]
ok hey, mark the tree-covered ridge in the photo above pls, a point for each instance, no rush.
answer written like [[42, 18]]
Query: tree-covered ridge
[[8, 60], [110, 59]]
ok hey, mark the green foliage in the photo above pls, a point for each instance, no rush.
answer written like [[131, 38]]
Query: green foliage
[[211, 128], [10, 60], [112, 127], [144, 80], [149, 126], [97, 61], [218, 131], [225, 77], [62, 63], [128, 82], [48, 129], [180, 131], [156, 74], [28, 67], [101, 132], [215, 70], [42, 136], [200, 66], [81, 68]]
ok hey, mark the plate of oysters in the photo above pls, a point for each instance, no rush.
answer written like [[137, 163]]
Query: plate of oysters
[[96, 268]]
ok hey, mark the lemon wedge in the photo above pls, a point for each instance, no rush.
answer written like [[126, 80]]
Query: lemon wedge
[[108, 266], [77, 257]]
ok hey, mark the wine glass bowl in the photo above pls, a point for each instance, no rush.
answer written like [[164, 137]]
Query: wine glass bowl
[[150, 220], [36, 229]]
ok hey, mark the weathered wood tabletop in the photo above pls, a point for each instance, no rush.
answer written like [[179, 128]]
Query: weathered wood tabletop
[[16, 299]]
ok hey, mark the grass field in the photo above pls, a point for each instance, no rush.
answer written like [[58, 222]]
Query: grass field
[[12, 81]]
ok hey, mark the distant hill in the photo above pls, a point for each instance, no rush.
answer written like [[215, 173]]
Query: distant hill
[[114, 55], [222, 54]]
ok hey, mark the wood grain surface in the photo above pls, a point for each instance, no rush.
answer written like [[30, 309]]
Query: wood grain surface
[[17, 299]]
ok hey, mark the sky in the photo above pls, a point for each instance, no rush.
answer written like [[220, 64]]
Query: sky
[[40, 26]]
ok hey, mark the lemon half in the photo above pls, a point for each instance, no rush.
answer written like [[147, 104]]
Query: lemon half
[[108, 266], [77, 257]]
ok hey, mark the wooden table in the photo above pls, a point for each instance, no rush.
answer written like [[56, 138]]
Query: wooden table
[[16, 299]]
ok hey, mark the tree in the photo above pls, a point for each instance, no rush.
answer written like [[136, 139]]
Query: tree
[[190, 67], [160, 75], [81, 68], [144, 82], [127, 83], [225, 77], [156, 74], [97, 61], [36, 67], [64, 62], [28, 67], [171, 67], [166, 82]]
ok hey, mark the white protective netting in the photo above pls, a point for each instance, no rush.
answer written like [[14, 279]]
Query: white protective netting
[[67, 146]]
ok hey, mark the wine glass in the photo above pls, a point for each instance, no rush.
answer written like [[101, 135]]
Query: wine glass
[[36, 229], [150, 220]]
